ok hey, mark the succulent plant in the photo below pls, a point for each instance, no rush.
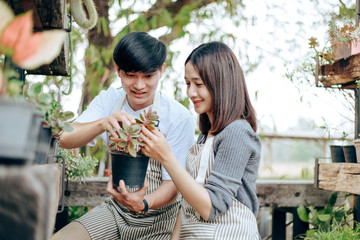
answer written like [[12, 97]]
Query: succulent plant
[[129, 141], [35, 94], [57, 120], [54, 116]]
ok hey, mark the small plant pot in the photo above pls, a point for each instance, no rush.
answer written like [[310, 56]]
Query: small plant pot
[[43, 145], [349, 154], [337, 154], [19, 131], [128, 168], [357, 149]]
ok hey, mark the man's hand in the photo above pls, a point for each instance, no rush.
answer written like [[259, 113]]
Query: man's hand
[[112, 123], [131, 200]]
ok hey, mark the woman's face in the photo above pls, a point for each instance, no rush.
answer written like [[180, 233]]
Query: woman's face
[[197, 91]]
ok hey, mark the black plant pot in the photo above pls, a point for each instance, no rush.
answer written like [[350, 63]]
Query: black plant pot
[[19, 131], [337, 154], [43, 145], [128, 168], [349, 154]]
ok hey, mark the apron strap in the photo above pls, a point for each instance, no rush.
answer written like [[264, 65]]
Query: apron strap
[[204, 161]]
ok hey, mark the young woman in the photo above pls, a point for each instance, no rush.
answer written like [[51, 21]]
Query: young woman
[[218, 185]]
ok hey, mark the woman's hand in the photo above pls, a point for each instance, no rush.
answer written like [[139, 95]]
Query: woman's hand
[[131, 200], [156, 145], [112, 123]]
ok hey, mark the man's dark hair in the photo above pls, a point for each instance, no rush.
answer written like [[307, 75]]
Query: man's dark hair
[[139, 52]]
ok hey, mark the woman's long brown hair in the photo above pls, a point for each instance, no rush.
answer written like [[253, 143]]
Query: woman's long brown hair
[[221, 73]]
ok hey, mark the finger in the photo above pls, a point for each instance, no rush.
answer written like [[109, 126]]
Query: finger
[[110, 186], [109, 128], [146, 132], [122, 188], [114, 123], [126, 117], [144, 137], [157, 133]]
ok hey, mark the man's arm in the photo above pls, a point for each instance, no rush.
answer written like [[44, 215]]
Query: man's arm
[[84, 133], [165, 194]]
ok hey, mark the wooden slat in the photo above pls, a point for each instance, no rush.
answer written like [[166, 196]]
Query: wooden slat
[[344, 177], [343, 71], [271, 193], [286, 193]]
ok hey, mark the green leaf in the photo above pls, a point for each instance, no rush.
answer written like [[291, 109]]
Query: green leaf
[[67, 115], [132, 151], [122, 134], [68, 127], [303, 214], [44, 99], [37, 88], [154, 117], [125, 127], [122, 144], [332, 199], [134, 142], [136, 128], [138, 121], [55, 130], [60, 124], [339, 215], [324, 217], [142, 117], [153, 21]]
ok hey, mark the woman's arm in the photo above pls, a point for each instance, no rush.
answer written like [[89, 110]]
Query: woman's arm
[[195, 194]]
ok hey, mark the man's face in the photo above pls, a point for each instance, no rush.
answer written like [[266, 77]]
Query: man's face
[[140, 87]]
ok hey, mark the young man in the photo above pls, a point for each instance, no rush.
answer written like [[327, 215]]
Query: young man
[[140, 63]]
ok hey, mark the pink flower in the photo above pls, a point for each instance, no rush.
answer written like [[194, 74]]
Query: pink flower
[[28, 50]]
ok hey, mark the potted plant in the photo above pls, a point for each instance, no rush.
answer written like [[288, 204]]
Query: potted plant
[[344, 40], [53, 120], [19, 125], [128, 163]]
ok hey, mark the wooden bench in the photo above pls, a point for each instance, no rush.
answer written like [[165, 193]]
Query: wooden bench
[[284, 196]]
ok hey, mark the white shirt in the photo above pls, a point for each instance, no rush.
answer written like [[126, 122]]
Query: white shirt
[[174, 120]]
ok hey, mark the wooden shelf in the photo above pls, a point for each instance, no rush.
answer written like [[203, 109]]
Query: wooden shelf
[[343, 72], [341, 177]]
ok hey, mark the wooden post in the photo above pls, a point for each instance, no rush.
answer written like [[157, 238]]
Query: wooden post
[[299, 227], [278, 224], [356, 206]]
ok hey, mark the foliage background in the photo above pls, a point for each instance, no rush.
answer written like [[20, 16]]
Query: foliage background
[[270, 39]]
